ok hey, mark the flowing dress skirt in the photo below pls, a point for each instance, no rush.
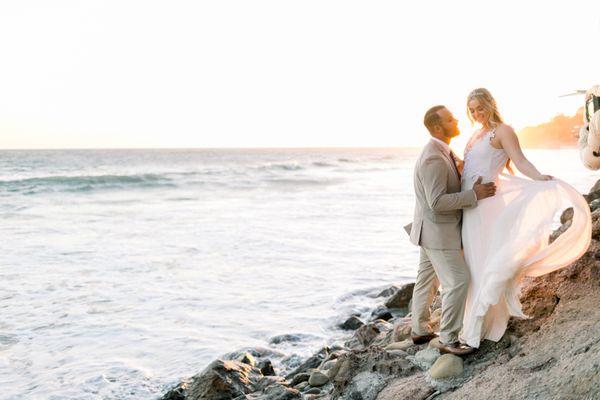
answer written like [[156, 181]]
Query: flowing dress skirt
[[505, 238]]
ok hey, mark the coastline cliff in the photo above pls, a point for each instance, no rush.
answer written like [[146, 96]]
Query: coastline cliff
[[553, 355]]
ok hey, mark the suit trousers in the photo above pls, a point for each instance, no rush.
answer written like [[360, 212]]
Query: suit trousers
[[448, 268]]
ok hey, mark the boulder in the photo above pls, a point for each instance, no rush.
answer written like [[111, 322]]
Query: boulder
[[352, 323], [317, 378], [401, 298], [447, 366], [403, 345]]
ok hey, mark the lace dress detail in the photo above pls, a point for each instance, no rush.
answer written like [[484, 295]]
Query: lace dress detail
[[505, 237]]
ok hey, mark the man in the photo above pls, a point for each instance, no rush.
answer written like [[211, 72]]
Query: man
[[436, 228]]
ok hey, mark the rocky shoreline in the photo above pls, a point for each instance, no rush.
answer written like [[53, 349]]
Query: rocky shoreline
[[553, 355]]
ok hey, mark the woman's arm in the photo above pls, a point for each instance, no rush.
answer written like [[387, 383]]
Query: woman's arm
[[510, 144]]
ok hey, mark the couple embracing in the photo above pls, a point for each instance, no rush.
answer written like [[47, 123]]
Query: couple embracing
[[480, 230]]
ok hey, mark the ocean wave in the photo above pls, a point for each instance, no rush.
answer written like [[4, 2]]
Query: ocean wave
[[322, 164], [293, 166], [83, 183]]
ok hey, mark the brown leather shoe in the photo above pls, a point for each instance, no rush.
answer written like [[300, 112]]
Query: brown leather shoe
[[422, 339], [456, 348]]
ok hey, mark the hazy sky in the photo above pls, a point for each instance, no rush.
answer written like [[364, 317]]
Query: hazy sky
[[280, 73]]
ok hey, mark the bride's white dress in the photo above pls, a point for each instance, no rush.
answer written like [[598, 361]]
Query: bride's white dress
[[505, 237]]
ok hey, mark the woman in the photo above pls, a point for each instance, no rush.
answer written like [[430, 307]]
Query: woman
[[505, 237]]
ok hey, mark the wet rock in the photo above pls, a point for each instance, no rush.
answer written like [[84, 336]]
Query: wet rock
[[317, 378], [179, 392], [389, 291], [352, 323], [266, 367], [381, 312], [223, 379], [249, 359], [312, 362], [401, 298], [447, 366]]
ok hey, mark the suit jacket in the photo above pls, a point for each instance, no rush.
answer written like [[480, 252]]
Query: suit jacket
[[439, 201]]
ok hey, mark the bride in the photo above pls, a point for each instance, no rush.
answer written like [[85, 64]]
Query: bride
[[505, 237]]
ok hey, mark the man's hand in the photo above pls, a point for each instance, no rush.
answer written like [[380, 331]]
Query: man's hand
[[483, 190]]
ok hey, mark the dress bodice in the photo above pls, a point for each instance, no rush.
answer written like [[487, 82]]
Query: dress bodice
[[483, 159]]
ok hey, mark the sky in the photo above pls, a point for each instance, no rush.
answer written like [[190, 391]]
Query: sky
[[181, 74]]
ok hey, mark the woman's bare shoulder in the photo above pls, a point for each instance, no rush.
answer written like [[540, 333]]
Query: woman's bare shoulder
[[504, 130]]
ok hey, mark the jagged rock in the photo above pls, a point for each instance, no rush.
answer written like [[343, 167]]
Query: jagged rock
[[266, 367], [364, 335], [222, 380], [389, 291], [401, 298], [179, 392], [352, 323], [402, 330], [317, 378], [365, 386], [447, 366], [409, 388], [381, 312], [372, 359], [248, 358], [312, 362]]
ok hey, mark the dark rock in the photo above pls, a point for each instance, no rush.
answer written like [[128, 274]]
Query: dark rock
[[352, 323], [389, 291], [364, 335], [223, 380], [313, 391], [382, 312], [401, 298], [312, 362], [266, 367], [179, 392], [567, 215], [299, 378], [248, 359]]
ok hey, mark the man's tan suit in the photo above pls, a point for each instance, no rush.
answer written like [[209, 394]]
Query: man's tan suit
[[436, 228]]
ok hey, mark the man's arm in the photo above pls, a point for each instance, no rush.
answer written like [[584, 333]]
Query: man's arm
[[434, 173]]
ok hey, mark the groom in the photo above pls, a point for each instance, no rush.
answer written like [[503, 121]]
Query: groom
[[436, 228]]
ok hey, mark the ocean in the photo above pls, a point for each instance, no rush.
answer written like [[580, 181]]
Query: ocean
[[123, 271]]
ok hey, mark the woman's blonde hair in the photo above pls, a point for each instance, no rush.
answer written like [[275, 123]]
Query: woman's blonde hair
[[487, 101]]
